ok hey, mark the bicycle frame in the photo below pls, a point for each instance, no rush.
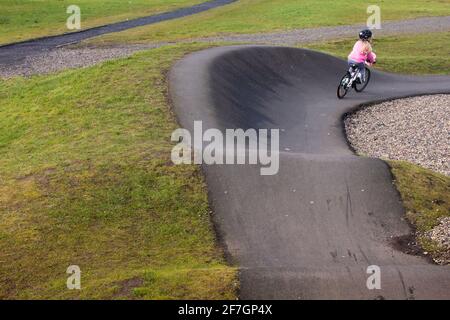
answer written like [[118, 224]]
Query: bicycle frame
[[353, 71], [352, 79]]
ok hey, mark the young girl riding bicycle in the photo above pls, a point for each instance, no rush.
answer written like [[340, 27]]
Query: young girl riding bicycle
[[362, 53]]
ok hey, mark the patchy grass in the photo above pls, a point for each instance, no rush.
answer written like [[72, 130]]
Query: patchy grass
[[426, 197], [26, 19], [250, 16], [412, 54], [86, 179]]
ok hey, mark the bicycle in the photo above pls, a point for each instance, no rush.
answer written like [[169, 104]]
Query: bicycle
[[352, 80]]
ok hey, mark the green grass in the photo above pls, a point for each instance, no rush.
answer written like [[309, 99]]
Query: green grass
[[412, 54], [250, 16], [86, 179], [426, 197], [26, 19]]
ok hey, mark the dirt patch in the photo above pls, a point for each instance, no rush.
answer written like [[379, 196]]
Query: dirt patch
[[407, 244], [126, 287]]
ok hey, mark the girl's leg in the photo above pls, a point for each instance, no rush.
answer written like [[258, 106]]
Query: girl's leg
[[362, 70], [352, 63]]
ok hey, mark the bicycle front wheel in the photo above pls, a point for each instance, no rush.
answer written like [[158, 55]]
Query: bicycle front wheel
[[359, 87], [343, 87]]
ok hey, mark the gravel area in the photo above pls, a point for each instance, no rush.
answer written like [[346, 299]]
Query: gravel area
[[65, 57], [441, 235], [414, 129]]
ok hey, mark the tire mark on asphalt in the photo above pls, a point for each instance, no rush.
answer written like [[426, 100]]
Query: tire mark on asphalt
[[403, 283], [348, 207]]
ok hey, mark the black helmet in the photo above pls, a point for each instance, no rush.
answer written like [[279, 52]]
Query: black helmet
[[365, 34]]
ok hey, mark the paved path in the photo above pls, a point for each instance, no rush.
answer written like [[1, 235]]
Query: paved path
[[312, 230], [14, 53], [38, 62], [420, 25]]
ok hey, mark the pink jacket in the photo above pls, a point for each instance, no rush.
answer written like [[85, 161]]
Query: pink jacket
[[358, 54]]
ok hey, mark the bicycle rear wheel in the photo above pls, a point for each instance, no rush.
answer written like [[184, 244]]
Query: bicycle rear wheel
[[359, 87], [343, 86]]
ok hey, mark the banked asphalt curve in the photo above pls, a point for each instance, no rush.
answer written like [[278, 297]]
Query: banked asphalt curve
[[312, 230]]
